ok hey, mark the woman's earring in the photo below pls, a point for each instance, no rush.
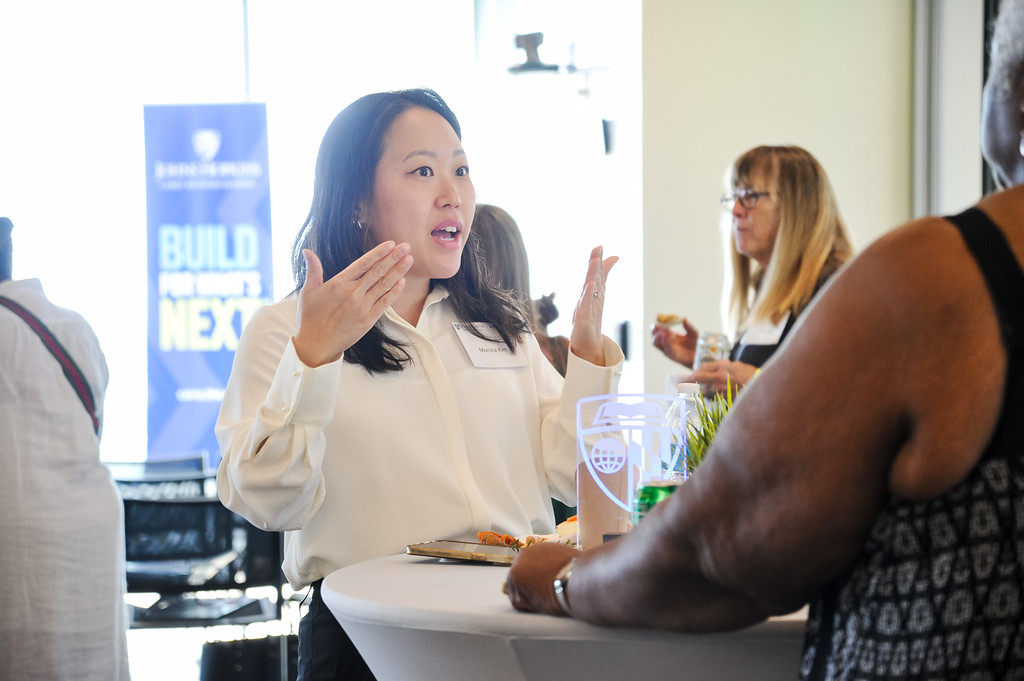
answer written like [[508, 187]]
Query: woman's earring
[[361, 226], [1022, 143]]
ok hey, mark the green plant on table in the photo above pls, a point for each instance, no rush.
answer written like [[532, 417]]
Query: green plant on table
[[699, 436]]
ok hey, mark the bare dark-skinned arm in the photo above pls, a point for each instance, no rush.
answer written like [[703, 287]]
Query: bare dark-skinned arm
[[842, 417]]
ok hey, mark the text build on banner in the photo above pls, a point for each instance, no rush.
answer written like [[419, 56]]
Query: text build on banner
[[208, 217]]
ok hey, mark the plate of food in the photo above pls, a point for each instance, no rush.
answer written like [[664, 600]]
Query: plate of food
[[491, 547], [451, 549]]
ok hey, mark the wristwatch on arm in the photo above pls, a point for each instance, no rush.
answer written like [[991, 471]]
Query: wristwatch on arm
[[561, 585]]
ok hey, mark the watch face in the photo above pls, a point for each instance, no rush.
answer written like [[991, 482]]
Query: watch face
[[561, 582]]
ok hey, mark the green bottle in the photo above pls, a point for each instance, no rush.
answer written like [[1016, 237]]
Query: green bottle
[[650, 494]]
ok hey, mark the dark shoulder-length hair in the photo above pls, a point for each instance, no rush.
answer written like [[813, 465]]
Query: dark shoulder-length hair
[[345, 169]]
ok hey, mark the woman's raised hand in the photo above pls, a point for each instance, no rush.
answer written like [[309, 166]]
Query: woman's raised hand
[[334, 314], [586, 341]]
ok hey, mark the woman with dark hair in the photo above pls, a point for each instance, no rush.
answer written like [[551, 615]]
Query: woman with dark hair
[[397, 396]]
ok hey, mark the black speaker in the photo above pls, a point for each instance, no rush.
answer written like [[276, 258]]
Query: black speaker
[[250, 659]]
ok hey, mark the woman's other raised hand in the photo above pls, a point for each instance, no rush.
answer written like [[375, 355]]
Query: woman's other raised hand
[[586, 341]]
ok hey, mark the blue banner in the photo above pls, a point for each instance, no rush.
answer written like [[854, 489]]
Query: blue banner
[[209, 257]]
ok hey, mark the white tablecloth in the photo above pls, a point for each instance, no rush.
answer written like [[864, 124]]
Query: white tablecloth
[[422, 619]]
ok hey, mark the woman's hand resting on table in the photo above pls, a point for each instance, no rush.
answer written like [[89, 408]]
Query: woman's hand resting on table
[[679, 347], [713, 377], [586, 341], [531, 580], [334, 314]]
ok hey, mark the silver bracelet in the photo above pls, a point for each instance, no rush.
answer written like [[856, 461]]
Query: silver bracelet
[[561, 584]]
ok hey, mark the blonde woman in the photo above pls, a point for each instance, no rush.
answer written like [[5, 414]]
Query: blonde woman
[[787, 238]]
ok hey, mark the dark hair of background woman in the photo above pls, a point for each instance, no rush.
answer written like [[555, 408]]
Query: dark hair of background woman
[[345, 169]]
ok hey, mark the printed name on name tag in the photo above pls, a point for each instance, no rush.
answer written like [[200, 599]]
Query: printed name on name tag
[[488, 354]]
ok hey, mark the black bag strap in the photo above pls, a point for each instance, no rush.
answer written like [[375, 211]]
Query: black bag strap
[[71, 370]]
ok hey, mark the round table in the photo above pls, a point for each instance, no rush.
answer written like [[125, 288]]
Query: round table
[[427, 619]]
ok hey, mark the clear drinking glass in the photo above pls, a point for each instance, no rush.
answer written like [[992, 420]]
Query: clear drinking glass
[[711, 347]]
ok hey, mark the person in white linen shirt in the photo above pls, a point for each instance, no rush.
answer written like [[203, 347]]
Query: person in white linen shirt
[[395, 397], [61, 528]]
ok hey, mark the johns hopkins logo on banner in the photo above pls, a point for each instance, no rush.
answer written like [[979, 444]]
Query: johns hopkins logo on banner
[[209, 253], [630, 439], [206, 143]]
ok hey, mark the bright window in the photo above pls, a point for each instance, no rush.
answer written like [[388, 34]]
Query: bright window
[[77, 75]]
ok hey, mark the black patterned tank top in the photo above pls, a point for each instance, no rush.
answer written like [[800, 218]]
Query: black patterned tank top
[[938, 592]]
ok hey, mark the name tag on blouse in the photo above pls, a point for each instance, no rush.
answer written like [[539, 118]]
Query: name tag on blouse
[[765, 333], [488, 354]]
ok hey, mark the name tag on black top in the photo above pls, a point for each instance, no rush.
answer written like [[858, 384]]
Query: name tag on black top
[[764, 332]]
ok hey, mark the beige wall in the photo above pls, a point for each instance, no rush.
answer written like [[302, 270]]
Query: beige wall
[[720, 77]]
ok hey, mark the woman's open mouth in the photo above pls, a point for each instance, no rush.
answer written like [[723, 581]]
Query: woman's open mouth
[[446, 233]]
